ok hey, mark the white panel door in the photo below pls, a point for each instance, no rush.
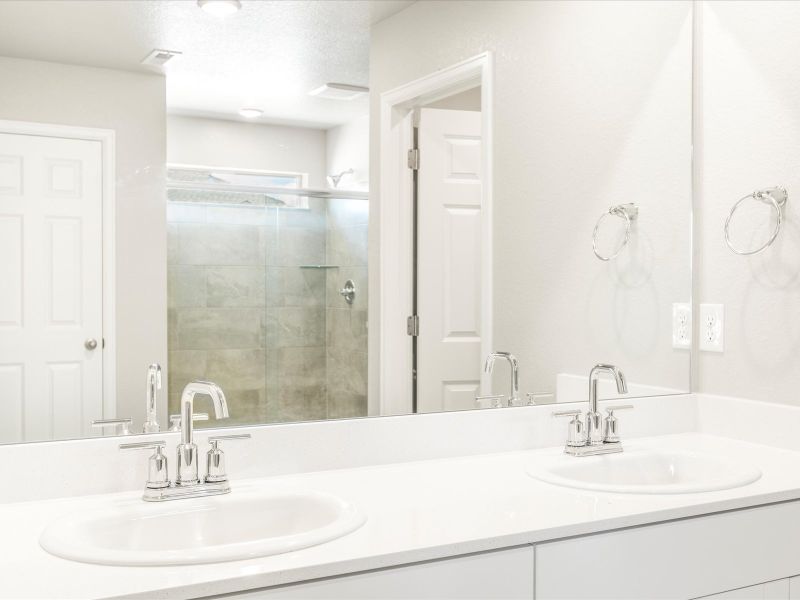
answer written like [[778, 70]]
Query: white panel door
[[449, 260], [51, 294]]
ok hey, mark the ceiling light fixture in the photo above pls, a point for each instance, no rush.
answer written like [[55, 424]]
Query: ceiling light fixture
[[250, 113], [220, 8]]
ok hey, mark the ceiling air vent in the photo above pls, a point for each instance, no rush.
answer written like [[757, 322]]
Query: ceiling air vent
[[339, 91], [159, 58]]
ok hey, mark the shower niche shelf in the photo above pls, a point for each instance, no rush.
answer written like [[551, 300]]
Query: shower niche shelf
[[319, 266]]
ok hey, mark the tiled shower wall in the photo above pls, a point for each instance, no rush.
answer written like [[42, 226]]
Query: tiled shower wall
[[248, 312], [346, 324]]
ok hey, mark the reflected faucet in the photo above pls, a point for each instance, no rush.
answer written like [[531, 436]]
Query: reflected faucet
[[594, 425], [187, 449], [512, 361], [153, 385]]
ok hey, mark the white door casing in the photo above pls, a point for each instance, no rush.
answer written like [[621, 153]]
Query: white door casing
[[390, 387], [51, 298], [450, 250]]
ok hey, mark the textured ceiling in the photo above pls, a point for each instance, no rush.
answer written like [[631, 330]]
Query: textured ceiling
[[269, 55]]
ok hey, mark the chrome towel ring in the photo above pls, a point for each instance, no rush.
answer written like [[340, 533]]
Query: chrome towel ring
[[627, 212], [776, 197]]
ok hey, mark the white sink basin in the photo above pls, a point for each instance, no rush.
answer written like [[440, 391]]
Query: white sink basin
[[232, 527], [645, 472]]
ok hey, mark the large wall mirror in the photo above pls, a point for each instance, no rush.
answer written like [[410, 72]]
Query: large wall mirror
[[338, 209]]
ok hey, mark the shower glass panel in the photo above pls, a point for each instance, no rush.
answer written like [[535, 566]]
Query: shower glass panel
[[254, 281]]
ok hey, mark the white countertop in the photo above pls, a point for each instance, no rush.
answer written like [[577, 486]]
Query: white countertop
[[416, 511]]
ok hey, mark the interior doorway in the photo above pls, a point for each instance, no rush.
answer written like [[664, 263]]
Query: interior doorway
[[53, 372], [436, 265]]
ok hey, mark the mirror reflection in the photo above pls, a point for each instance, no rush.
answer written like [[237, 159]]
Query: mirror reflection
[[336, 209]]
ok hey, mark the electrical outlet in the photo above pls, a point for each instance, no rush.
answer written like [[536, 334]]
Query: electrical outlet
[[712, 327], [681, 325]]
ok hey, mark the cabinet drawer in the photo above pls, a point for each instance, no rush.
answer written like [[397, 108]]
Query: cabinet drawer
[[679, 559], [501, 575]]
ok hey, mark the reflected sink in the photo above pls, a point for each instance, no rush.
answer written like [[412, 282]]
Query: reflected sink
[[222, 528], [645, 472]]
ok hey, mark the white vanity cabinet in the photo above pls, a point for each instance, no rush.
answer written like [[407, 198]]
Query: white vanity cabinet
[[688, 558], [782, 589], [748, 554], [500, 575]]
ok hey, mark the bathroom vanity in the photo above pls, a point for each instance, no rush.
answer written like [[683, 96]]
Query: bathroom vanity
[[461, 523]]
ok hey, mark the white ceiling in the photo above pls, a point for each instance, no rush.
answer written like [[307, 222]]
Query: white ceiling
[[268, 55]]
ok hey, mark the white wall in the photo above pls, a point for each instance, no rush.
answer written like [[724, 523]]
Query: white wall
[[751, 139], [592, 107], [134, 106], [348, 148], [218, 143]]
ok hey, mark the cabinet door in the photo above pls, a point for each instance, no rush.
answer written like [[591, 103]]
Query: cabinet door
[[501, 575], [688, 558]]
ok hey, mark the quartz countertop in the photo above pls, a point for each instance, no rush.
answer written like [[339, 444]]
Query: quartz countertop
[[415, 511]]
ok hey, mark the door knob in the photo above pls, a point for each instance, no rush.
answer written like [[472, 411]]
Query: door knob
[[90, 344]]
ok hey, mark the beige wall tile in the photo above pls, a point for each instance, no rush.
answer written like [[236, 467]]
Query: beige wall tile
[[215, 244], [236, 286], [215, 328]]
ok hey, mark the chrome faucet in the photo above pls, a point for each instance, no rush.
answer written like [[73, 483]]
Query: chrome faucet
[[153, 385], [488, 366], [597, 435], [187, 449], [187, 483], [594, 431]]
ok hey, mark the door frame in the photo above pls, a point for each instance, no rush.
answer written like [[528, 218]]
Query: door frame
[[395, 227], [107, 140]]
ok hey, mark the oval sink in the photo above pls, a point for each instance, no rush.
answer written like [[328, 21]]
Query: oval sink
[[645, 472], [221, 528]]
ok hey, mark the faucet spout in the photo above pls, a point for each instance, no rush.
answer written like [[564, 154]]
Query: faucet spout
[[153, 385], [488, 367], [193, 388]]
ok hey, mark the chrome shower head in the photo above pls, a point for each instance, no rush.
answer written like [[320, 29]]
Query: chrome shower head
[[334, 180]]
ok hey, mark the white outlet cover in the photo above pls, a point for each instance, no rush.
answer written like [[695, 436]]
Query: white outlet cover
[[682, 325], [711, 327]]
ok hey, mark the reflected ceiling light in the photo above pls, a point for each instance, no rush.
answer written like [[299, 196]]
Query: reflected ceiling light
[[220, 8], [250, 113], [339, 91]]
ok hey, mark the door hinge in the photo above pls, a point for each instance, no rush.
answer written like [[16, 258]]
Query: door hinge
[[412, 325], [413, 159]]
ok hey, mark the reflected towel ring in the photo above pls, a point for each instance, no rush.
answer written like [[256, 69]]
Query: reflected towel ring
[[628, 212], [777, 197]]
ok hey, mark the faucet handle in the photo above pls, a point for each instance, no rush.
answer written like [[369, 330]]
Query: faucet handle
[[611, 429], [157, 471], [215, 457], [492, 401], [567, 413], [124, 424], [575, 432], [175, 420], [539, 398], [214, 440]]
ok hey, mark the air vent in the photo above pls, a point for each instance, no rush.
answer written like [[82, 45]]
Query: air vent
[[339, 91], [159, 58]]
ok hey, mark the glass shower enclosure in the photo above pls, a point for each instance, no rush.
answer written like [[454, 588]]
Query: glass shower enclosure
[[258, 276]]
